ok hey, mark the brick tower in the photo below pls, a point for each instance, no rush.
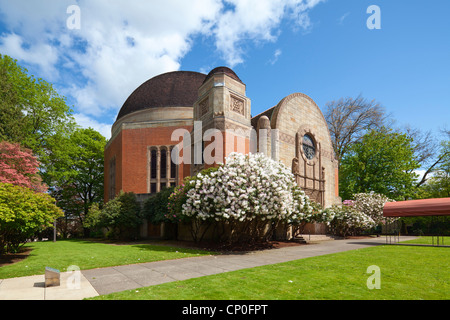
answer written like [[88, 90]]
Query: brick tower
[[222, 106]]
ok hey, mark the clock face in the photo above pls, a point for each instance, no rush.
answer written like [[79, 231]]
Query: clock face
[[309, 148]]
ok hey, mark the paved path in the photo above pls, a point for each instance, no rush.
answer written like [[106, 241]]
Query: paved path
[[114, 279]]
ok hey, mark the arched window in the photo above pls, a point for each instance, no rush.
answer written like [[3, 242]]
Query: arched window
[[163, 164], [309, 147], [153, 164]]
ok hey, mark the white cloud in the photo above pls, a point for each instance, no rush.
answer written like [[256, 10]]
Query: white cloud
[[343, 17], [276, 55], [257, 20], [119, 45], [41, 54], [87, 122]]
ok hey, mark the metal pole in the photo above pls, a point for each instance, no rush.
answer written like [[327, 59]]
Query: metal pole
[[54, 227]]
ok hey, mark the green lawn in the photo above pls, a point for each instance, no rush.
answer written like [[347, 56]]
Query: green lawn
[[429, 241], [407, 273], [88, 255]]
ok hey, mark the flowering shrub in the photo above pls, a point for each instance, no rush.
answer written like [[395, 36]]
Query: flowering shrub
[[348, 202], [251, 190], [306, 212], [245, 188], [175, 201], [354, 216], [371, 204], [346, 220]]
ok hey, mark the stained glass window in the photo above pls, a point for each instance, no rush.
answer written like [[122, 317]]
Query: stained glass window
[[309, 147]]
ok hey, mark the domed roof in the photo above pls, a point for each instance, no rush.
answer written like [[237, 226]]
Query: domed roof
[[172, 89], [224, 70]]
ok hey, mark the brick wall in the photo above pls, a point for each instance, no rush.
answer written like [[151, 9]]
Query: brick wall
[[130, 147]]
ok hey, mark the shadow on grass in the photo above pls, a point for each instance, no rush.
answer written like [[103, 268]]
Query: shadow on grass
[[171, 249], [11, 258]]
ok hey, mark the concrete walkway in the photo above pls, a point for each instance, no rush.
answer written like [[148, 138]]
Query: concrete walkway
[[90, 283]]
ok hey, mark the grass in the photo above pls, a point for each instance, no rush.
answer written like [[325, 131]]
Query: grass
[[407, 273], [429, 241], [88, 255]]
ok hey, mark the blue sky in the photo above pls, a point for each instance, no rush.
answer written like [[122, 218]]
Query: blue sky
[[322, 48]]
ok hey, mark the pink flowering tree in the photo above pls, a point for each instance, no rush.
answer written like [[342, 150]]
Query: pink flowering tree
[[18, 166]]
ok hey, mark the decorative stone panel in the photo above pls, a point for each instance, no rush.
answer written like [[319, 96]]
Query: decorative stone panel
[[237, 105]]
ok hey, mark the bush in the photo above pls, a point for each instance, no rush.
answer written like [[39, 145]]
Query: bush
[[250, 194], [309, 212], [175, 204], [372, 205], [427, 225], [23, 213], [120, 216], [345, 220], [155, 208]]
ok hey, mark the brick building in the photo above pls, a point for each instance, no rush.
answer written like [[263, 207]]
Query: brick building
[[138, 155]]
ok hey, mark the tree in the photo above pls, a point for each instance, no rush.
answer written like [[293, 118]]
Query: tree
[[12, 80], [439, 185], [79, 171], [67, 199], [382, 162], [371, 204], [23, 212], [121, 216], [18, 166], [33, 113], [427, 151], [349, 119]]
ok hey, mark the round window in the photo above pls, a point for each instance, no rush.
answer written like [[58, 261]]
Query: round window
[[309, 148]]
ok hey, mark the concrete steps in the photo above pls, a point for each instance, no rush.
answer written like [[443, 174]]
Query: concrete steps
[[310, 238]]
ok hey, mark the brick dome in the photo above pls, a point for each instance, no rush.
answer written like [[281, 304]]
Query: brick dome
[[172, 89]]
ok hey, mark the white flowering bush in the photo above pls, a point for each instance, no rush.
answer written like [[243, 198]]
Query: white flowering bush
[[307, 212], [345, 220], [362, 213], [371, 204], [252, 191]]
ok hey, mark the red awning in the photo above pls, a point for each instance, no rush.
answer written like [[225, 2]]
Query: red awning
[[417, 208]]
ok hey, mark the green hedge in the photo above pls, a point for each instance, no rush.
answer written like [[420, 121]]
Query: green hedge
[[155, 207], [121, 217]]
